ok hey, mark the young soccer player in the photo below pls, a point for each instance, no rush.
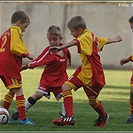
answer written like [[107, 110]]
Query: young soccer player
[[54, 74], [12, 50], [89, 75], [122, 62]]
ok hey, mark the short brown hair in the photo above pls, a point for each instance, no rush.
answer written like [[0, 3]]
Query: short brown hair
[[19, 15], [54, 30], [76, 22], [131, 20]]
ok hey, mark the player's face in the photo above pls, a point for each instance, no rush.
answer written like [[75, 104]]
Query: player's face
[[23, 26], [75, 33], [131, 24], [54, 40]]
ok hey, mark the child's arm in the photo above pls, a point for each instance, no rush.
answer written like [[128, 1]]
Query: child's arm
[[125, 60], [113, 40], [58, 48]]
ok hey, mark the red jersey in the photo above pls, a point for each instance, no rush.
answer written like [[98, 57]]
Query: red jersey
[[12, 49], [54, 73]]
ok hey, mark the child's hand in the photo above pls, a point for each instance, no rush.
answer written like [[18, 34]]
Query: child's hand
[[30, 56], [24, 67], [54, 48], [124, 61], [118, 38]]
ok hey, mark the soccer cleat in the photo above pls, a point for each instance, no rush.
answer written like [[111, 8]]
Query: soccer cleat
[[15, 115], [10, 120], [130, 119], [65, 120], [100, 122], [26, 122]]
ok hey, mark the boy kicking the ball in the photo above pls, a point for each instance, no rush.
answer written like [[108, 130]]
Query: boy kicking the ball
[[54, 74], [12, 50], [89, 75]]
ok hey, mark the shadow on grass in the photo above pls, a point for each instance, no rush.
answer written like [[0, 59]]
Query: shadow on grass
[[117, 87], [44, 112]]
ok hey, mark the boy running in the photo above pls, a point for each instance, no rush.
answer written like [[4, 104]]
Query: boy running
[[89, 75]]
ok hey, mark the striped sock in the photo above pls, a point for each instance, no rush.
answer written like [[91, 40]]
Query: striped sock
[[131, 107], [99, 109], [20, 102], [7, 101]]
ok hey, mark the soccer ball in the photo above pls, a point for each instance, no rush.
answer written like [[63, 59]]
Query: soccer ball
[[4, 115]]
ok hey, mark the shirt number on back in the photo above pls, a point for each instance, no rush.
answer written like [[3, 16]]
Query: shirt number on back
[[4, 39]]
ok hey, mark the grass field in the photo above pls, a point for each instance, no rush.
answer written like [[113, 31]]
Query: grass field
[[114, 96]]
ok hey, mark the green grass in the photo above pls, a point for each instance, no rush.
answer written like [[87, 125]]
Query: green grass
[[114, 96]]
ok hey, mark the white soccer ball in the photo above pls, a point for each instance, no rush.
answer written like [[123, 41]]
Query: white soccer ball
[[4, 115]]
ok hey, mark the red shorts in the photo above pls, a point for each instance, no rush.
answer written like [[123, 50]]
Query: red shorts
[[57, 91], [91, 92], [11, 83]]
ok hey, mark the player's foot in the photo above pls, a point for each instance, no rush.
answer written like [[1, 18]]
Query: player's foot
[[10, 120], [100, 122], [26, 122], [65, 120], [15, 115], [130, 119]]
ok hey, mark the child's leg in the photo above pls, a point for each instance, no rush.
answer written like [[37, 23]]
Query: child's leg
[[92, 95], [63, 109], [7, 101], [131, 99], [9, 84], [32, 100], [68, 100], [98, 107], [20, 100]]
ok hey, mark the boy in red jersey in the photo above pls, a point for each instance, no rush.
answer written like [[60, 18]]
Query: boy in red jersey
[[12, 50], [54, 74], [122, 62], [89, 75]]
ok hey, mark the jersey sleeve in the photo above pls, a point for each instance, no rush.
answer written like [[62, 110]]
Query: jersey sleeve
[[131, 57], [101, 43], [17, 46], [43, 59]]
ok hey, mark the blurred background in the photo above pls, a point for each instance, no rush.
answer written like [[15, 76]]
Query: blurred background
[[104, 19]]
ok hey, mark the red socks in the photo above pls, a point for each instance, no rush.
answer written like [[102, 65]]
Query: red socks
[[20, 102], [68, 102]]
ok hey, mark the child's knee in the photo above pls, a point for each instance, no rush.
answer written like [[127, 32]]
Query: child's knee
[[65, 87]]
